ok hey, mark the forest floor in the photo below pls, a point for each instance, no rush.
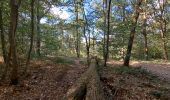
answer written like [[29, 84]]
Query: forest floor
[[160, 68], [142, 81], [50, 78]]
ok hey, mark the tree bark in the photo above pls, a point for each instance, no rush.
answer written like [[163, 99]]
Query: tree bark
[[3, 43], [32, 35], [165, 53], [77, 32], [88, 86], [104, 28], [108, 32], [132, 32], [87, 38], [163, 27], [123, 40], [39, 16], [2, 35], [12, 56], [38, 43], [145, 36]]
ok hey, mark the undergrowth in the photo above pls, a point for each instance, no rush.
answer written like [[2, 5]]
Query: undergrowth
[[64, 61], [136, 71]]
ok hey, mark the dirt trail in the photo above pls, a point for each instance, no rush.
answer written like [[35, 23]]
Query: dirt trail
[[160, 69]]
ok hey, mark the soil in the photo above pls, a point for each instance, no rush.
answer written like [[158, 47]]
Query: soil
[[154, 85], [46, 81], [161, 69], [49, 80]]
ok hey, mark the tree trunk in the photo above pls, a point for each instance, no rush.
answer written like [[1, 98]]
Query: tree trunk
[[2, 35], [32, 35], [123, 40], [77, 32], [165, 53], [132, 32], [163, 27], [108, 32], [3, 43], [38, 31], [12, 57], [87, 38], [104, 28], [145, 36], [88, 86]]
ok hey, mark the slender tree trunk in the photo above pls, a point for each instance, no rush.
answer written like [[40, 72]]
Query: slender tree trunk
[[32, 35], [87, 39], [123, 40], [145, 36], [163, 27], [165, 53], [132, 32], [87, 47], [12, 57], [104, 30], [3, 43], [2, 35], [108, 32], [38, 31], [77, 32]]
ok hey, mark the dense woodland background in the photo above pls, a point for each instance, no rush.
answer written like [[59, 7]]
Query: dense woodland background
[[109, 29]]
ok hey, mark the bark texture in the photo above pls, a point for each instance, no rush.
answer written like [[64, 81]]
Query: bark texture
[[108, 32], [88, 86], [132, 32], [2, 34], [12, 56], [32, 35]]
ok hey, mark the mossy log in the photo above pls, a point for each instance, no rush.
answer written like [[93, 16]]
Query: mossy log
[[88, 86]]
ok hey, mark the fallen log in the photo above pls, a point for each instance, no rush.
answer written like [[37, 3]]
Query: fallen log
[[88, 86]]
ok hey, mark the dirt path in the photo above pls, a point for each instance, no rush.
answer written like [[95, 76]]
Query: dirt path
[[160, 69]]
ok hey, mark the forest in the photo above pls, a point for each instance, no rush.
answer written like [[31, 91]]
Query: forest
[[84, 49]]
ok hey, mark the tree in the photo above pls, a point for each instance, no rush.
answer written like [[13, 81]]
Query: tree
[[77, 3], [132, 32], [108, 32], [2, 34], [32, 34], [86, 36], [39, 16], [144, 32], [163, 26], [12, 56]]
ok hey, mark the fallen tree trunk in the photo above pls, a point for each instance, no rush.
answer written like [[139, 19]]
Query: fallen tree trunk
[[88, 86]]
